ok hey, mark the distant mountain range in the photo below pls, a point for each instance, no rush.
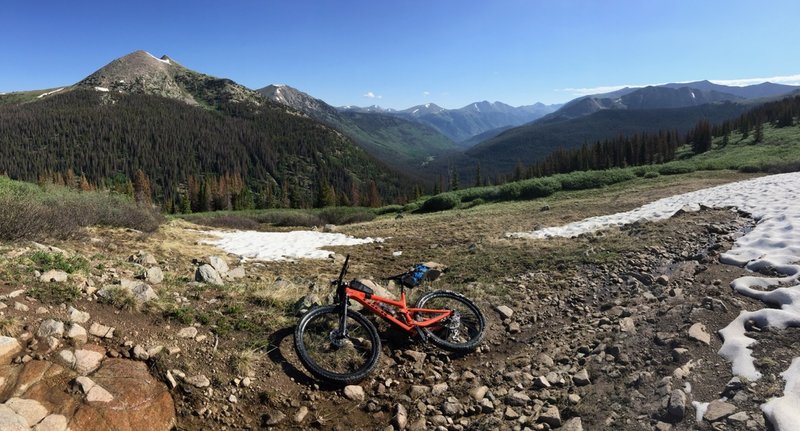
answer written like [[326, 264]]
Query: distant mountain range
[[463, 124], [676, 106], [403, 144], [281, 138]]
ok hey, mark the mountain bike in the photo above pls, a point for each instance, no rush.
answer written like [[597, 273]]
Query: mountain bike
[[338, 344]]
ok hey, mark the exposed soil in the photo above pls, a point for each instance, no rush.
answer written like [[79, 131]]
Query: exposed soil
[[617, 304]]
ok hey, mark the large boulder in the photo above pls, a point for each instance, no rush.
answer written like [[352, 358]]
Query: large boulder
[[123, 396], [207, 274]]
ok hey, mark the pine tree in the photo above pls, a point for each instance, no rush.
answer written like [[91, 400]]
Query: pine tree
[[758, 135], [373, 198], [326, 196], [478, 174], [141, 188]]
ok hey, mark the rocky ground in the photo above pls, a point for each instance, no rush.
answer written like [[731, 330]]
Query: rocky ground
[[616, 330]]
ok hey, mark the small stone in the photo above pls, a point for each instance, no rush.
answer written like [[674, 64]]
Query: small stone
[[20, 306], [9, 348], [479, 393], [42, 310], [581, 378], [275, 418], [101, 331], [662, 280], [53, 276], [144, 293], [740, 417], [301, 414], [354, 393], [99, 395], [572, 424], [505, 311], [77, 334], [88, 359], [518, 399], [154, 275], [77, 316], [551, 416], [188, 332], [510, 414], [541, 382], [677, 405], [417, 357], [400, 416], [207, 274], [574, 398], [198, 381], [439, 389], [140, 353], [50, 328], [514, 328], [717, 410], [698, 332], [236, 273], [418, 391], [246, 382], [232, 399], [67, 357], [626, 324], [218, 263]]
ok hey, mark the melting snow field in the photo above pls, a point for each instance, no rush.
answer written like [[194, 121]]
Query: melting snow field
[[774, 202], [282, 245]]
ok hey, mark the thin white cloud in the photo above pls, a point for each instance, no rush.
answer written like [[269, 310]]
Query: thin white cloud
[[585, 91], [426, 93], [787, 80], [371, 95]]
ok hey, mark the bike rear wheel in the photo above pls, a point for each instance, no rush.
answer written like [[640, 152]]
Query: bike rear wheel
[[332, 356], [462, 331]]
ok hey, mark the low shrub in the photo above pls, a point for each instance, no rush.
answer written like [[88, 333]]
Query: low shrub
[[229, 221], [472, 203], [583, 180], [652, 174], [346, 215], [388, 209], [676, 168], [749, 168], [441, 202], [539, 188], [27, 212]]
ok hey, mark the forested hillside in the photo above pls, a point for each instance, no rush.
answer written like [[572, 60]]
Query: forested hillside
[[189, 157]]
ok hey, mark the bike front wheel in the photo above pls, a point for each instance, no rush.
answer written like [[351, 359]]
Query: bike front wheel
[[462, 331], [331, 355]]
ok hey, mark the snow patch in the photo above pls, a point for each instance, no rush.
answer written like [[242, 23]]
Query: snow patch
[[774, 244], [692, 93], [475, 105], [700, 410], [415, 111], [103, 89], [274, 246], [782, 412], [48, 93], [161, 60]]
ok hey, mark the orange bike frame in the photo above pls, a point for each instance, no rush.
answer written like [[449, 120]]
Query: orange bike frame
[[403, 311]]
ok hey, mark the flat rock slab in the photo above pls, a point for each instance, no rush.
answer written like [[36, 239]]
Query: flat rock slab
[[718, 410], [125, 397], [9, 348]]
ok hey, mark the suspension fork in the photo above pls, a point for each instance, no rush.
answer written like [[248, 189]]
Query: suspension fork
[[344, 302]]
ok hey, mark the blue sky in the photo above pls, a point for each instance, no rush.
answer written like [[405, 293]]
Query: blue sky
[[403, 53]]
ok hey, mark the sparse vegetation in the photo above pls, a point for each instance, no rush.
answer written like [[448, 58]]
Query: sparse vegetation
[[55, 293], [9, 327], [28, 211], [121, 298], [46, 261]]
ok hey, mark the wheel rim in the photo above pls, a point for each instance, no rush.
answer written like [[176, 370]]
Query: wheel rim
[[461, 327], [329, 350]]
